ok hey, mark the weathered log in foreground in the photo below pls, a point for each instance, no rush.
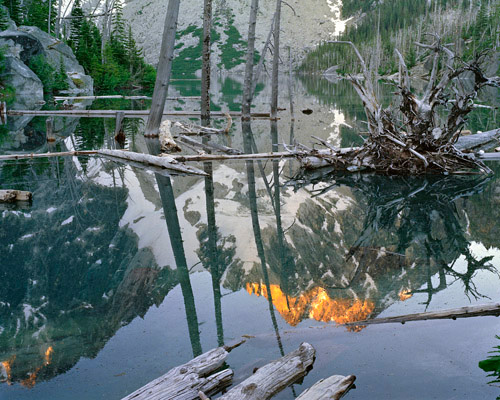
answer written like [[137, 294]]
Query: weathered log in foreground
[[414, 139], [11, 196], [332, 388], [165, 161], [275, 376], [464, 312], [185, 381], [196, 379]]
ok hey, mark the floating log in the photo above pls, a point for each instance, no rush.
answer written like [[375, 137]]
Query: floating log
[[227, 157], [128, 113], [332, 388], [209, 146], [11, 196], [275, 376], [463, 312], [186, 381], [117, 96], [45, 155], [167, 162], [472, 142]]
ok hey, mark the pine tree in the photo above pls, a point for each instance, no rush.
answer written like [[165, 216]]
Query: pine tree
[[37, 14], [16, 11], [76, 25], [4, 16]]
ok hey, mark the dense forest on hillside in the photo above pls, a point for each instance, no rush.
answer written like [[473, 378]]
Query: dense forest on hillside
[[114, 61], [378, 28]]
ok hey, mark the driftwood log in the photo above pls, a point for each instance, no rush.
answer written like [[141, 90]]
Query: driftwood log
[[275, 376], [11, 196], [165, 161], [332, 388], [464, 312], [186, 381]]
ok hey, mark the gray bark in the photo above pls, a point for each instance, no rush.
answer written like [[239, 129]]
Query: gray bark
[[167, 162], [332, 388], [186, 381], [464, 312], [164, 68], [275, 376], [248, 83], [276, 61], [205, 71]]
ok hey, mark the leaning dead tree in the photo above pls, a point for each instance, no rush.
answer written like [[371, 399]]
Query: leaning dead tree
[[418, 137]]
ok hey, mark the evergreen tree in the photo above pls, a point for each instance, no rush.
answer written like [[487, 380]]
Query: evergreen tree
[[15, 10], [37, 14], [76, 25], [4, 16]]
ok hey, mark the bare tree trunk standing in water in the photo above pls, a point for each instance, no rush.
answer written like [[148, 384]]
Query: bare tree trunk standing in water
[[164, 68], [205, 70], [276, 61], [247, 89]]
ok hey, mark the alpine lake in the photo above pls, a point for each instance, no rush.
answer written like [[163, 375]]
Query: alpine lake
[[114, 274]]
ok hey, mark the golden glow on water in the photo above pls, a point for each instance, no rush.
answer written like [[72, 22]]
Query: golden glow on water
[[315, 304], [7, 365], [48, 355], [405, 294]]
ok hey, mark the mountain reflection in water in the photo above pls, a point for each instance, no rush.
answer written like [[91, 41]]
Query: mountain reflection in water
[[104, 243]]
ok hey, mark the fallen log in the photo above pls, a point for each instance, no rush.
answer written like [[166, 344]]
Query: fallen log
[[11, 196], [117, 96], [186, 381], [332, 388], [45, 155], [128, 113], [167, 162], [275, 376], [227, 157], [209, 146], [463, 312], [473, 142]]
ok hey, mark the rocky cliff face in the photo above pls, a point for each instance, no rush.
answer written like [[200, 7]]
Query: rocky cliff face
[[26, 42], [304, 24]]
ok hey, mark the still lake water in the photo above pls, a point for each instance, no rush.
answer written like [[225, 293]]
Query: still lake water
[[114, 275]]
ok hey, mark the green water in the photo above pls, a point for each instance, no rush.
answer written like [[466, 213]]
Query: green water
[[114, 275]]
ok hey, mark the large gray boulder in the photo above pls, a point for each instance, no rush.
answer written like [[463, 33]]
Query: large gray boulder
[[55, 51], [29, 88], [21, 44]]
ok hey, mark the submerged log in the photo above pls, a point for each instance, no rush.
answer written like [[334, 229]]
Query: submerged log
[[464, 312], [167, 162], [275, 376], [11, 196], [186, 381], [332, 388]]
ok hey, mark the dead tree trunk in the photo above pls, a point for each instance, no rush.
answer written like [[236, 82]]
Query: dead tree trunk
[[205, 70], [58, 19], [276, 61], [164, 68], [248, 85], [416, 139]]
